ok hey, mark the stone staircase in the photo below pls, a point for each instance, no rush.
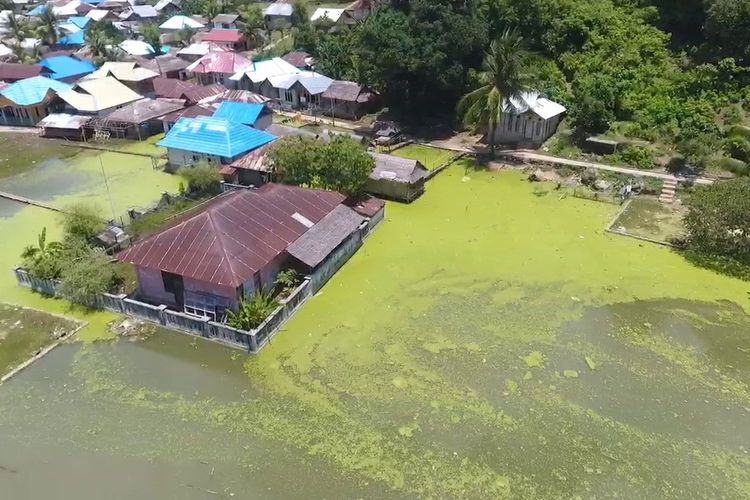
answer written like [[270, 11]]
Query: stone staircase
[[667, 191]]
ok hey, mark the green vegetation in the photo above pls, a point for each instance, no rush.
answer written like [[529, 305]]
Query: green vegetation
[[83, 270], [21, 152], [428, 156], [202, 179], [152, 36], [718, 224], [502, 78], [648, 218], [153, 220], [637, 70], [24, 332], [253, 312], [340, 165], [287, 280]]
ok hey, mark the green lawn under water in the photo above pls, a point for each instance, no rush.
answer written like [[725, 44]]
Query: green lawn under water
[[484, 343]]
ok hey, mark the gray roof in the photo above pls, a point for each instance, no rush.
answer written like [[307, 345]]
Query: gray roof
[[145, 109], [225, 18], [342, 90], [397, 169], [320, 240], [279, 9], [163, 64]]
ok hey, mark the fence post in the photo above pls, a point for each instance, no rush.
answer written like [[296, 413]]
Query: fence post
[[253, 342], [162, 319]]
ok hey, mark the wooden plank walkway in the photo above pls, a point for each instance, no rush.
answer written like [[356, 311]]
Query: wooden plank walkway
[[29, 201]]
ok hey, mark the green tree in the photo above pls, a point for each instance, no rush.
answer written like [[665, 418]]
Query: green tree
[[152, 35], [503, 78], [253, 26], [18, 28], [718, 220], [87, 276], [296, 160], [201, 179], [82, 222], [97, 43], [47, 27], [728, 26], [345, 166], [43, 260], [185, 36], [307, 38], [301, 13]]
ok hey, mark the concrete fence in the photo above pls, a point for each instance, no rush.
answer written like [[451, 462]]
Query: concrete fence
[[252, 340]]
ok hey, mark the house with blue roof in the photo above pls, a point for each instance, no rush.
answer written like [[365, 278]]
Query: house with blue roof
[[256, 115], [28, 101], [213, 140], [77, 39], [68, 68]]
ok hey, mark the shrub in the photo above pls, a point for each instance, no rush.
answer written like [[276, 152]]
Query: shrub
[[636, 156], [43, 261], [287, 279], [201, 179], [737, 167], [253, 312], [87, 276], [82, 221]]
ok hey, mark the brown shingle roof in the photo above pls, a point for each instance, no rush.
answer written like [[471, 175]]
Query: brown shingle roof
[[236, 235]]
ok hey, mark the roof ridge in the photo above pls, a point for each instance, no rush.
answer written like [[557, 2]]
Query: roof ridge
[[222, 244]]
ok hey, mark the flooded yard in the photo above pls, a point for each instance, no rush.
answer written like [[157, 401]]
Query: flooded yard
[[484, 343]]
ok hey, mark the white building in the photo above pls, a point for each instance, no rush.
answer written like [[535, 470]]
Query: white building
[[529, 119]]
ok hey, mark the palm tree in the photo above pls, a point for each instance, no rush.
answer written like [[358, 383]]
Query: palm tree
[[43, 249], [47, 28], [17, 27], [503, 78], [97, 42]]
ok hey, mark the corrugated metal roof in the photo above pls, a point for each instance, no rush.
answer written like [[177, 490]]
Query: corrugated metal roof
[[11, 72], [214, 137], [239, 112], [542, 107], [225, 18], [260, 71], [64, 120], [32, 90], [80, 21], [99, 94], [223, 35], [66, 66], [279, 9], [136, 47], [220, 62], [77, 38], [180, 22], [145, 110], [397, 169], [125, 71], [314, 246], [322, 13], [235, 236], [189, 112], [256, 159], [297, 58]]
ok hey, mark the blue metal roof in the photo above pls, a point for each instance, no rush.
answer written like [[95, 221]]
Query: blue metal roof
[[32, 90], [66, 66], [239, 112], [77, 38], [80, 21], [38, 10], [214, 136]]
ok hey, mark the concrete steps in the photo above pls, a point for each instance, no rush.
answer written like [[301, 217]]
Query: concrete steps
[[668, 191]]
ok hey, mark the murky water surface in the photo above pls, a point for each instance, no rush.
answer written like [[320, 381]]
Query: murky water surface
[[485, 343]]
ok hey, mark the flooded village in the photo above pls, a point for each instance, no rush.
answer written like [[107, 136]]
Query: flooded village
[[232, 267]]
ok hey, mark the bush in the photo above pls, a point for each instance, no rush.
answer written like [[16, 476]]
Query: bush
[[254, 312], [737, 167], [636, 156], [82, 221], [87, 276], [201, 179], [718, 220], [287, 279]]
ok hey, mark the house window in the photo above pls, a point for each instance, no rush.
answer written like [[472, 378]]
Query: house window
[[289, 95], [204, 305]]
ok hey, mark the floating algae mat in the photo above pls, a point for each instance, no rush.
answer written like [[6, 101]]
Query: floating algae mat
[[484, 343]]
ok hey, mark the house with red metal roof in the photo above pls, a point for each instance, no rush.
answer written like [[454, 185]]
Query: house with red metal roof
[[231, 39], [217, 67], [207, 261]]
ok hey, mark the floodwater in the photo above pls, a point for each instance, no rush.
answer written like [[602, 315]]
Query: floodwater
[[484, 343]]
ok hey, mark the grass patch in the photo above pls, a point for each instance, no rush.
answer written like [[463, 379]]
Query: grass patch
[[429, 156], [23, 332], [21, 152], [152, 221], [648, 218]]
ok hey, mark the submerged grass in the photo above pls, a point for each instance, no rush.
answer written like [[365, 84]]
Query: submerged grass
[[22, 152]]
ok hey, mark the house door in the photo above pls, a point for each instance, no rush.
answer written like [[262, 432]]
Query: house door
[[174, 285]]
